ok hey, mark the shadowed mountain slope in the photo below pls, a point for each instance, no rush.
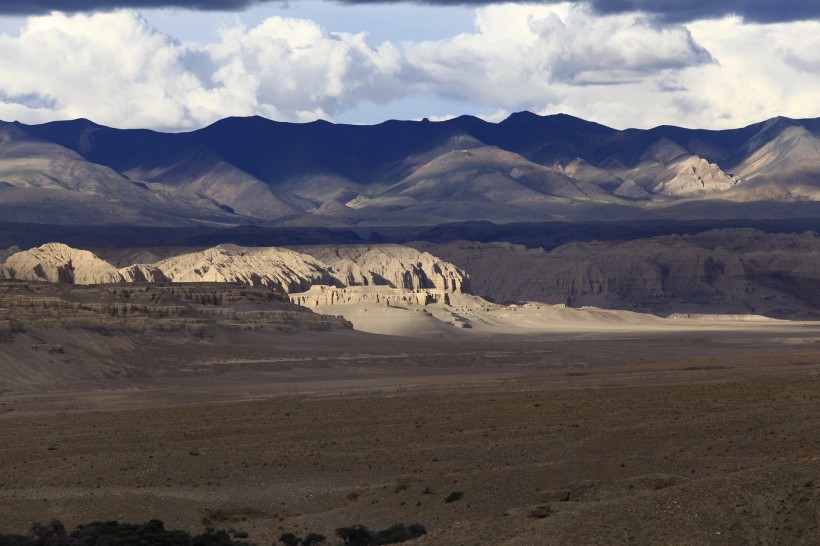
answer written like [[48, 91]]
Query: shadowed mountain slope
[[525, 168]]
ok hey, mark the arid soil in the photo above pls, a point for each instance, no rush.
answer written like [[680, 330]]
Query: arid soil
[[693, 438]]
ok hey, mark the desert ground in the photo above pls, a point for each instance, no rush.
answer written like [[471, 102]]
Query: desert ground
[[540, 330], [699, 436]]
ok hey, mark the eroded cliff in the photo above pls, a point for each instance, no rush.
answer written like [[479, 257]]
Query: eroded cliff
[[280, 269], [719, 271]]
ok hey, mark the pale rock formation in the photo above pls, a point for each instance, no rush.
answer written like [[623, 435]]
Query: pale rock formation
[[56, 262], [322, 296], [143, 273], [390, 265], [410, 274], [694, 176], [277, 268], [670, 170]]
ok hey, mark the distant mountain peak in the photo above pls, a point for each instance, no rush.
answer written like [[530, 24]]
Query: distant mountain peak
[[528, 166], [558, 121], [524, 115]]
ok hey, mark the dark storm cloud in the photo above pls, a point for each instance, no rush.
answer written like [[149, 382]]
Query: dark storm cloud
[[675, 11], [759, 11], [37, 7]]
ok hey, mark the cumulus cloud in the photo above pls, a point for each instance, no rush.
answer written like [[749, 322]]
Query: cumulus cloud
[[523, 57], [800, 46], [621, 70], [763, 71], [113, 66], [294, 69], [760, 71], [117, 69]]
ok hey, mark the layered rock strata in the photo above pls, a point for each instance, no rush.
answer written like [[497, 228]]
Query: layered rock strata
[[150, 308], [737, 271], [322, 296]]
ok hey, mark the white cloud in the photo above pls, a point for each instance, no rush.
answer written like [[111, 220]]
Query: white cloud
[[763, 71], [621, 70], [113, 67], [760, 71], [116, 69], [526, 56], [297, 70]]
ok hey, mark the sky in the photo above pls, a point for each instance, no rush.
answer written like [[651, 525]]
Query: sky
[[178, 65]]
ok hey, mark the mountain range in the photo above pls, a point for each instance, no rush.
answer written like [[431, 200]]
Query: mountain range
[[253, 171]]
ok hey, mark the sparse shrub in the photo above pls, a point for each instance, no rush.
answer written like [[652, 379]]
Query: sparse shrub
[[359, 535], [454, 496], [416, 530], [13, 540], [289, 539], [153, 533], [399, 533], [114, 533], [53, 534], [312, 539], [126, 534], [541, 512], [216, 538], [356, 535]]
